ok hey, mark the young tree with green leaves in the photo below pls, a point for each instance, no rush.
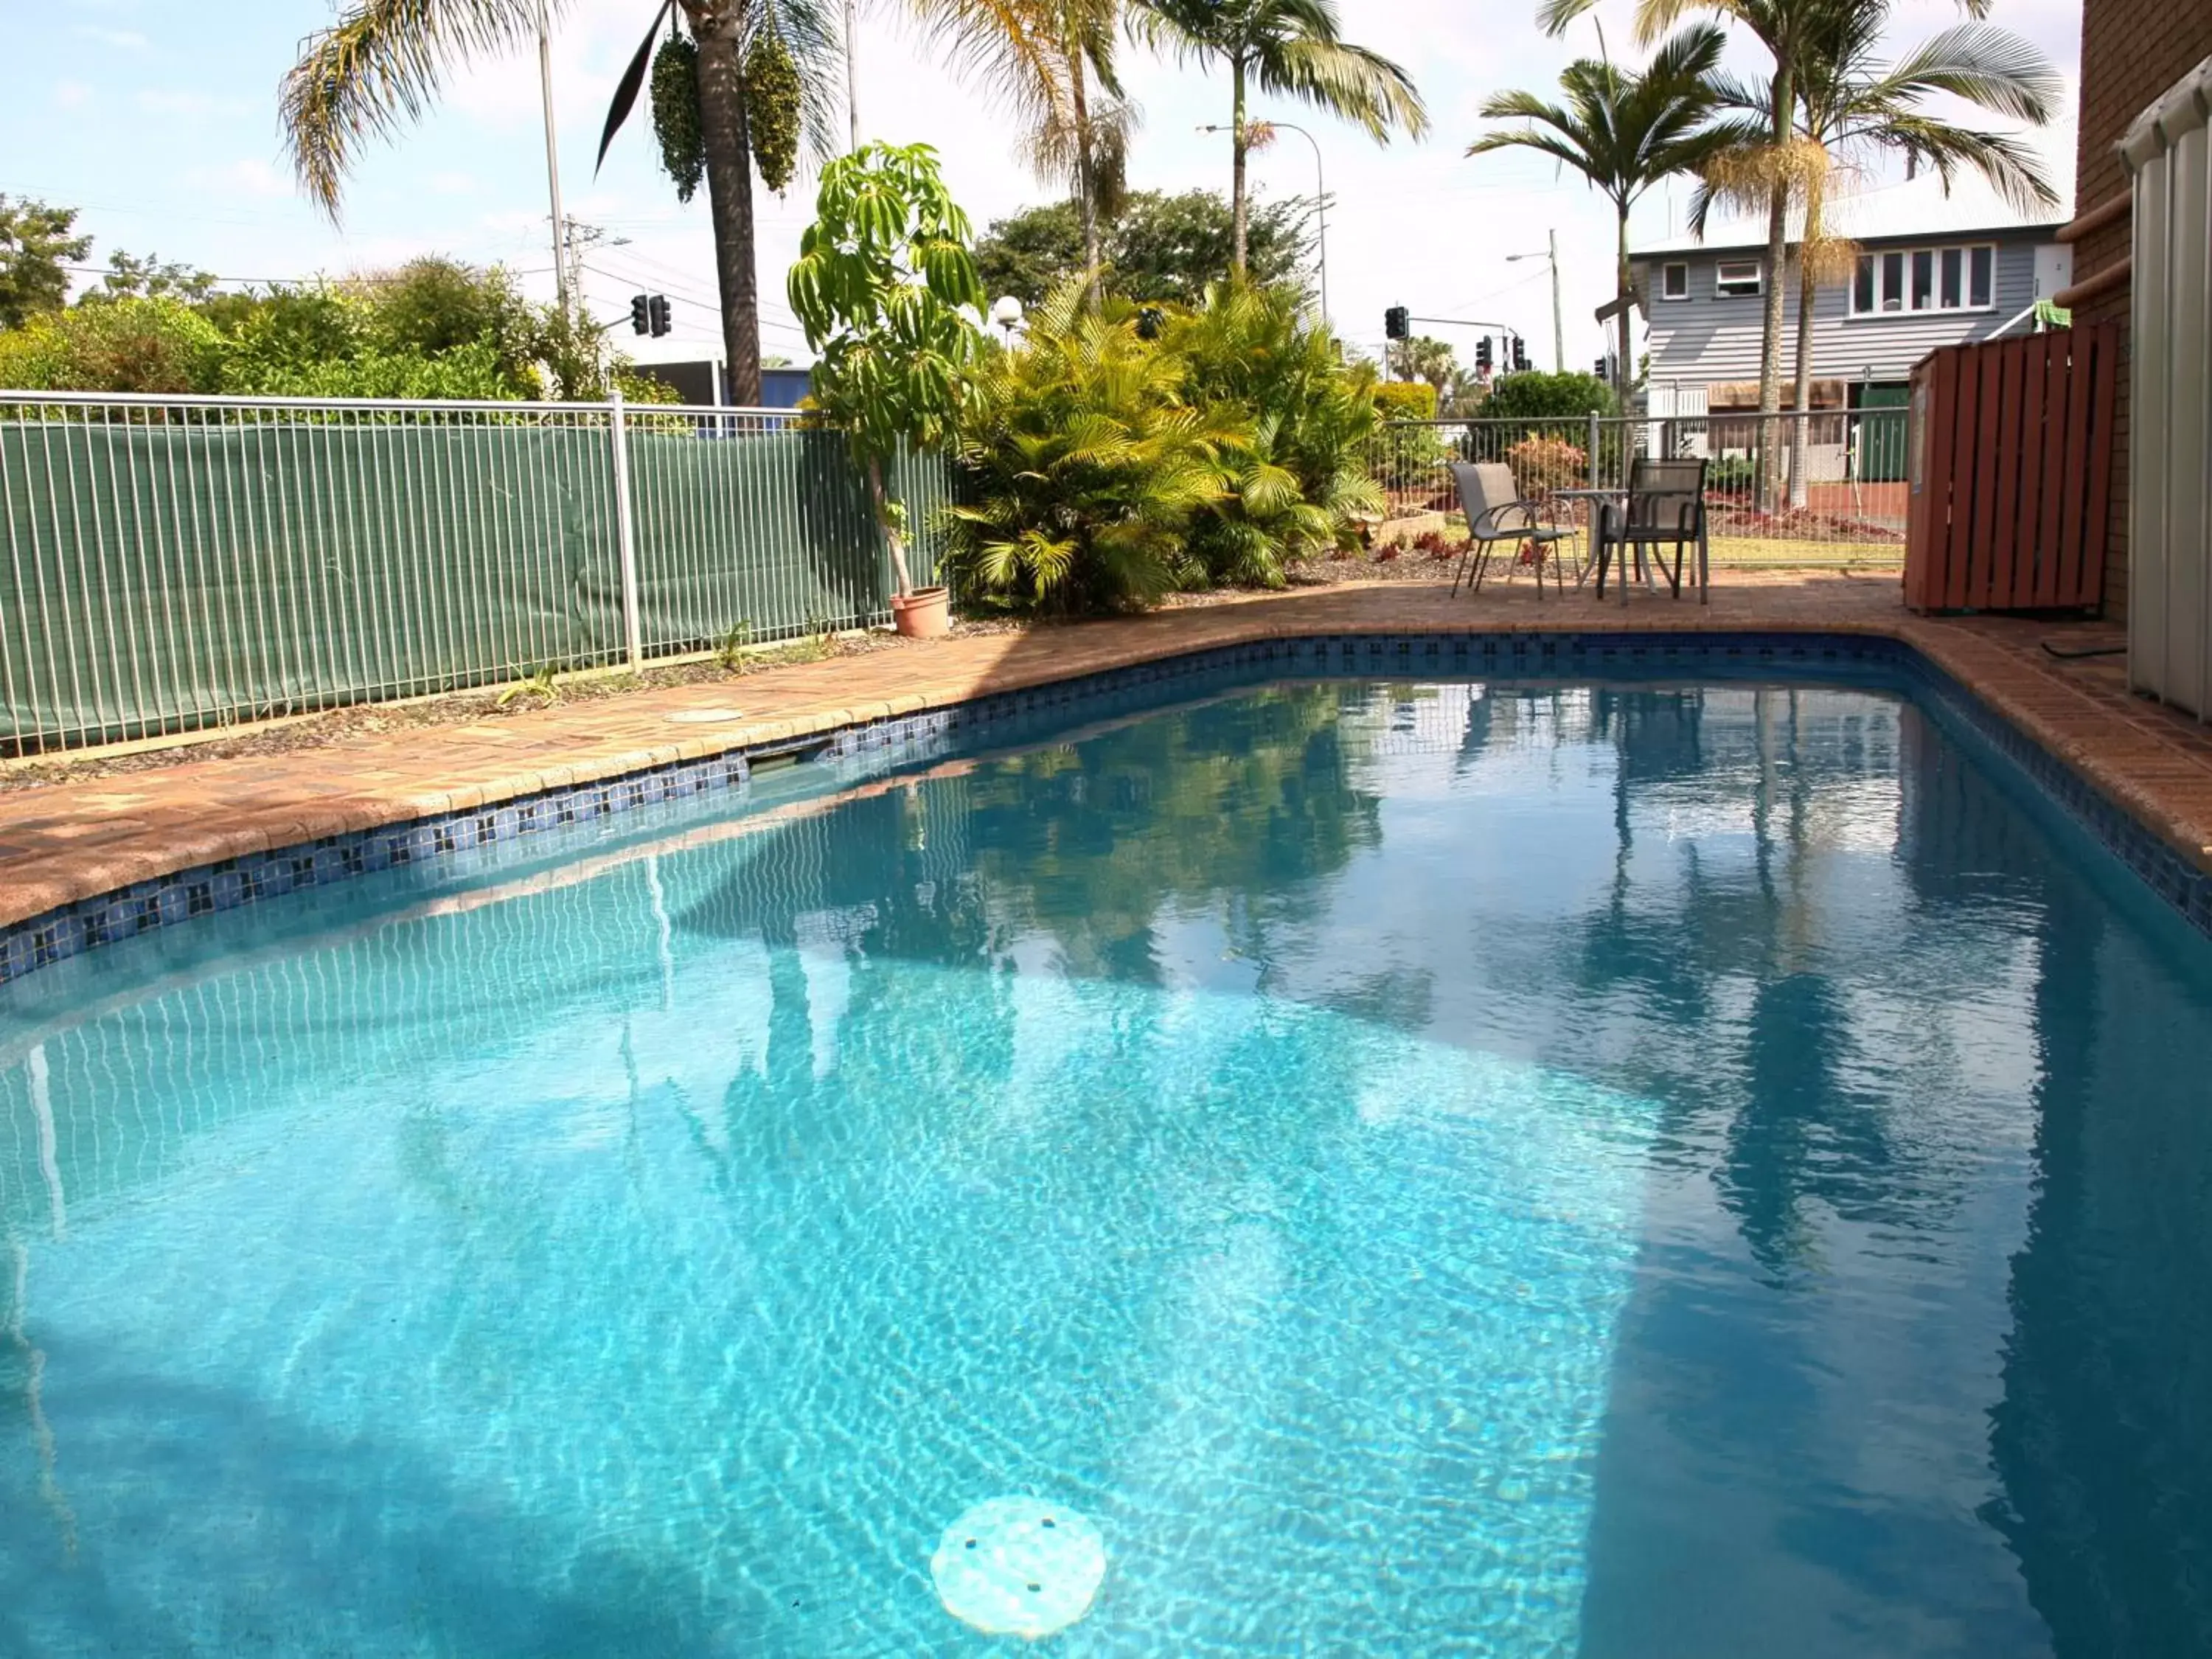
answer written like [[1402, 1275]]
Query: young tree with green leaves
[[36, 247], [379, 66], [1290, 49], [1623, 130], [129, 276], [892, 304]]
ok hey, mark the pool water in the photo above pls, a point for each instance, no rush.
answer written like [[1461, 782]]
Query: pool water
[[1640, 1169]]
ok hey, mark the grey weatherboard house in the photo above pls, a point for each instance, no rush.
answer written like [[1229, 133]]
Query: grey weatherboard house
[[1931, 271]]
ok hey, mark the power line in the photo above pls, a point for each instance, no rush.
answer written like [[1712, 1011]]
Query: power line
[[629, 255], [687, 297]]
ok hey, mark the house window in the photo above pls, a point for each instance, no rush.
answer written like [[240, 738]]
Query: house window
[[1737, 278], [1925, 279], [1674, 281]]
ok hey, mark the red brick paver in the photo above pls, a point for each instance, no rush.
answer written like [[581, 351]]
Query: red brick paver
[[71, 841]]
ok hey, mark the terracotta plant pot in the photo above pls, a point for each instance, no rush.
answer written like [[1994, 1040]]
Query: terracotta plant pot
[[924, 614]]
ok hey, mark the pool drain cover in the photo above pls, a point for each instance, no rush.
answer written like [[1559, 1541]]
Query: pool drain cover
[[1019, 1566]]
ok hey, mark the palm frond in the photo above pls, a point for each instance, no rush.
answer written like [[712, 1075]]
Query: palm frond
[[1991, 68], [1363, 87], [376, 69]]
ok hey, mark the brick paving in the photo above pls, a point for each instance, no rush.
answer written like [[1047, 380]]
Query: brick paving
[[73, 840]]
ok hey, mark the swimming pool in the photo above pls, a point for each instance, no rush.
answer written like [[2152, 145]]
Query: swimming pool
[[1643, 1167]]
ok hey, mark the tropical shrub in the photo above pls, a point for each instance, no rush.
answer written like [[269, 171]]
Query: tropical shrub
[[1085, 466], [1542, 464], [1406, 400], [1535, 396], [1313, 418], [117, 345]]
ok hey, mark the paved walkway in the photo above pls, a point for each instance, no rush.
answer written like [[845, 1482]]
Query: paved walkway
[[71, 841]]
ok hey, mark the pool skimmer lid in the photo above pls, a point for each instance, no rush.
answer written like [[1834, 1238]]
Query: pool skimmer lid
[[1019, 1566], [705, 716]]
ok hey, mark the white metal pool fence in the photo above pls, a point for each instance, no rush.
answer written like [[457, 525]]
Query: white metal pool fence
[[1822, 488], [174, 564]]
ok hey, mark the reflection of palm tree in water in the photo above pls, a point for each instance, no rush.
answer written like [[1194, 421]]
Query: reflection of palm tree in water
[[1790, 1130]]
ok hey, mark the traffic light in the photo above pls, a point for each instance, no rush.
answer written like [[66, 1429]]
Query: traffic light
[[1604, 370], [656, 315], [1483, 357], [1520, 356], [640, 310], [1397, 324]]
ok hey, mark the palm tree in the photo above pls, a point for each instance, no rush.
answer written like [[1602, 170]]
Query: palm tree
[[379, 66], [1042, 57], [1621, 129], [1291, 48], [1789, 29], [1854, 108]]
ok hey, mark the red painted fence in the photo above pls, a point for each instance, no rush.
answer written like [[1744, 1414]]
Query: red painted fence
[[2011, 473]]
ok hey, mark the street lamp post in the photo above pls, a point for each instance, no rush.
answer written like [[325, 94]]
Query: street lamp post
[[1320, 200], [1559, 330]]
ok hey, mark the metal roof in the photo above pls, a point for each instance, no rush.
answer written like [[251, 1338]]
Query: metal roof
[[1910, 211]]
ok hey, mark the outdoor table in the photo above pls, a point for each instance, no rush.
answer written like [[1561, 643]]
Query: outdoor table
[[1599, 497]]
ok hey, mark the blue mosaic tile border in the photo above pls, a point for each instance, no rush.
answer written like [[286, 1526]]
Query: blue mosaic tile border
[[27, 945]]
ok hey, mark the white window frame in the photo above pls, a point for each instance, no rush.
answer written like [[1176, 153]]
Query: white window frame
[[1731, 288], [1667, 275], [1907, 257]]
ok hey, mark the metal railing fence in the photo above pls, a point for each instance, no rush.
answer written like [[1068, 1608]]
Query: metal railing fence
[[172, 564], [1825, 488]]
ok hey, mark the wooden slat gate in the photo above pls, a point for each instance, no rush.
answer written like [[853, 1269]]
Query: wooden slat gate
[[2011, 473]]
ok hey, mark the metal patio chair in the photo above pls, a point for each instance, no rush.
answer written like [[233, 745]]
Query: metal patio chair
[[1666, 507], [1497, 512]]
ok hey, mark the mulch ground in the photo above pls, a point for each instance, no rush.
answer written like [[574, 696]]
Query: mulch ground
[[338, 726]]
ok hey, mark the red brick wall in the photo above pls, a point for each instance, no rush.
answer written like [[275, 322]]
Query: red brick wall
[[2132, 51]]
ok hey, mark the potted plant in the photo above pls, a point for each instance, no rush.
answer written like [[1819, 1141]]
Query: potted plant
[[892, 306]]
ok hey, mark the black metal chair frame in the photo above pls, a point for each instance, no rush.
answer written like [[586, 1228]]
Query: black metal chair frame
[[1648, 523], [1487, 529]]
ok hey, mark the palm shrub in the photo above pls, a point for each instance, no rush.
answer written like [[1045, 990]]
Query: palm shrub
[[1260, 518], [1086, 466], [1314, 422]]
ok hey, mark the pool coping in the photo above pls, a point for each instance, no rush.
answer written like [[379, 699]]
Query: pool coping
[[2023, 715]]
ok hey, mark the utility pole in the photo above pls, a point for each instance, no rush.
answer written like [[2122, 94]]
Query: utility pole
[[552, 161], [852, 68], [1559, 328]]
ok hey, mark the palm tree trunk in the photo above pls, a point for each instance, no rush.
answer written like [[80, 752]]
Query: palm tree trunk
[[1237, 178], [728, 146], [1086, 182], [1777, 255], [1623, 288], [1808, 293]]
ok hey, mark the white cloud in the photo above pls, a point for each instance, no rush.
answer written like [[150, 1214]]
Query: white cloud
[[244, 178], [71, 94], [122, 40], [190, 105]]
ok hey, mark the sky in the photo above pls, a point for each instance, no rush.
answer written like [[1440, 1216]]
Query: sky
[[157, 119]]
